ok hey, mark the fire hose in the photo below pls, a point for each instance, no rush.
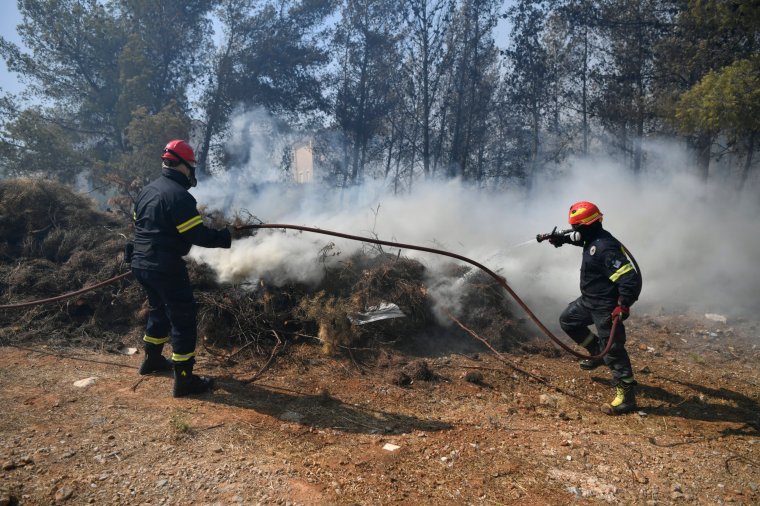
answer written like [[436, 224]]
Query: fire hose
[[499, 279], [67, 295]]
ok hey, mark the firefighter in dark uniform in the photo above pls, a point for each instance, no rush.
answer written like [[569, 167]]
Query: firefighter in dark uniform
[[167, 224], [609, 286]]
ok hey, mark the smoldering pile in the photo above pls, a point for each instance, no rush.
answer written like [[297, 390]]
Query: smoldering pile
[[366, 302], [55, 241]]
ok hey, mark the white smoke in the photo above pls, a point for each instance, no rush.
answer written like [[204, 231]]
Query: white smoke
[[697, 244]]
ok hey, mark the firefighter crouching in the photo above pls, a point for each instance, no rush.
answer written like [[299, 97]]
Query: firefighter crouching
[[167, 224], [609, 286]]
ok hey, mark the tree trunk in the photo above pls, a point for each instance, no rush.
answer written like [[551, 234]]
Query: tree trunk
[[390, 150], [748, 160], [702, 145]]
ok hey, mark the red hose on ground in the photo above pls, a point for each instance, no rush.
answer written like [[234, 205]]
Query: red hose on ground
[[67, 295]]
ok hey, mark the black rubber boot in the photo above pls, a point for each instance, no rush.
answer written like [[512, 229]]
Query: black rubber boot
[[154, 361], [624, 401], [187, 383], [590, 343], [590, 364]]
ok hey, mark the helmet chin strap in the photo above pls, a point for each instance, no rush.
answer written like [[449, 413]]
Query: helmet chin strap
[[193, 181]]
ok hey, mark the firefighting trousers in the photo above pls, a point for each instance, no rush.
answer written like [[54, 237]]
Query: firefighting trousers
[[172, 311], [575, 320]]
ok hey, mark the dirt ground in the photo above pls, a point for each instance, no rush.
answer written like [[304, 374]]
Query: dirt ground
[[314, 430]]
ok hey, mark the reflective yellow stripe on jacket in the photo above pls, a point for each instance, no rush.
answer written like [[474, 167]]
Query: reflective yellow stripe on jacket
[[192, 222], [626, 268]]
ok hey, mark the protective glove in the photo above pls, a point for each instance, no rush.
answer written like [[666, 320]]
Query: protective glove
[[557, 240], [240, 233], [622, 311]]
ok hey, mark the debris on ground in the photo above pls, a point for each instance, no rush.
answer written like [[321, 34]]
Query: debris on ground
[[716, 317], [86, 382]]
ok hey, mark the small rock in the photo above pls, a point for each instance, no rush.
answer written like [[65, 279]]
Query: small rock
[[82, 383], [390, 447], [125, 350], [645, 370], [643, 347], [547, 400], [7, 466], [161, 483], [63, 494]]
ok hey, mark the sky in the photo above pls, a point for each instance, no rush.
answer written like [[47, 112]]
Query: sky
[[8, 80]]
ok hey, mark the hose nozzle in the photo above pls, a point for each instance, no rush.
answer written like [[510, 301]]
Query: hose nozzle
[[555, 234]]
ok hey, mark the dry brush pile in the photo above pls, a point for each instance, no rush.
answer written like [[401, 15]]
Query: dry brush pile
[[54, 240]]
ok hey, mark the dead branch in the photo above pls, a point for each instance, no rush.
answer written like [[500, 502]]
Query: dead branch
[[513, 366], [275, 351]]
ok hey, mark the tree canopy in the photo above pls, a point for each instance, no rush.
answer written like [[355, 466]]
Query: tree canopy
[[489, 91]]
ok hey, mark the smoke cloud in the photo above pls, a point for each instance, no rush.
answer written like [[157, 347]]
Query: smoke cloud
[[697, 243]]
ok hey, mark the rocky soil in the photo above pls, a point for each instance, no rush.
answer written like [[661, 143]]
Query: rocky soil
[[469, 428]]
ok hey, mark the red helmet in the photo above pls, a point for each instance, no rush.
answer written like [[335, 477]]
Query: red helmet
[[584, 213], [178, 150]]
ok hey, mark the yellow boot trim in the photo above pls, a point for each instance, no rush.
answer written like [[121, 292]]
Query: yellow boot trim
[[182, 358], [619, 397]]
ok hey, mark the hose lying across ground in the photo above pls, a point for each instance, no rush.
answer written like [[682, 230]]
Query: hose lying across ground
[[499, 279], [67, 295]]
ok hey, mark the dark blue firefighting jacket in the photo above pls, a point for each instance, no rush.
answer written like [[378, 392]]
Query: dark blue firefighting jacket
[[608, 277], [167, 224]]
